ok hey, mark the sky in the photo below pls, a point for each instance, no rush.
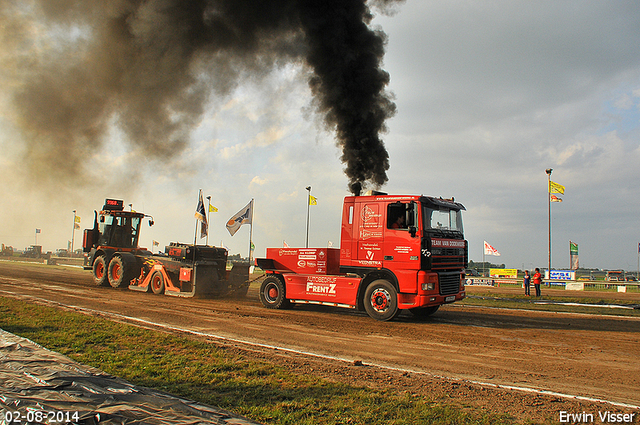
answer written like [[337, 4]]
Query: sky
[[488, 96]]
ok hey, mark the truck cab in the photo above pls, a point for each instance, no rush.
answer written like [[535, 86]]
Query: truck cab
[[416, 242], [396, 252]]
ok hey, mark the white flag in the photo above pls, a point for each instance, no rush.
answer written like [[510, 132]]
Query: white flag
[[489, 250], [243, 216]]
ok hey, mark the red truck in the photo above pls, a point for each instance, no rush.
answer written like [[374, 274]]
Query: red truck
[[397, 252]]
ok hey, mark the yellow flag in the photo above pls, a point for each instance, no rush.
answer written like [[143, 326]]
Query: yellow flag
[[77, 219], [313, 200], [212, 208], [555, 188]]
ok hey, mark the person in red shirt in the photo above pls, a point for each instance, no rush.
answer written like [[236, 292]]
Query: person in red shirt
[[537, 280]]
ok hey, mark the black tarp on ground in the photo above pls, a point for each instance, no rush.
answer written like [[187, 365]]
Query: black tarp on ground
[[33, 379]]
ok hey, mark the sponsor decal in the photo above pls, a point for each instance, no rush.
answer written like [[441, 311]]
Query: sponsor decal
[[370, 263], [321, 285], [288, 252], [302, 263], [447, 243], [402, 249], [369, 214], [368, 234]]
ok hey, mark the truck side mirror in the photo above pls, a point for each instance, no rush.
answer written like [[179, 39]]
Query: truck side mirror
[[413, 231]]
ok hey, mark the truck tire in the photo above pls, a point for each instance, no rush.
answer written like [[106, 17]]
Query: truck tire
[[122, 269], [381, 300], [422, 312], [100, 271], [157, 282], [272, 293]]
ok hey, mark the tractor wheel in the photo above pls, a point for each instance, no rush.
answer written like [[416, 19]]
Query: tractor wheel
[[272, 293], [100, 271], [422, 312], [157, 282], [122, 270], [381, 300]]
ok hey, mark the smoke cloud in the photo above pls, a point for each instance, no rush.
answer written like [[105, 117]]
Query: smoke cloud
[[77, 68]]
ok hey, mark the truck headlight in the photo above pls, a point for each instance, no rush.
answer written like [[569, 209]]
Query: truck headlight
[[429, 286]]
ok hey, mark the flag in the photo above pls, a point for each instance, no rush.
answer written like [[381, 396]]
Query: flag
[[76, 226], [243, 216], [38, 231], [554, 198], [313, 200], [156, 243], [573, 255], [285, 245], [555, 188], [212, 208], [77, 219], [573, 248], [489, 250], [200, 215], [253, 247]]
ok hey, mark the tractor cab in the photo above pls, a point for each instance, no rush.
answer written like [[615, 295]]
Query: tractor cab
[[119, 229], [114, 228]]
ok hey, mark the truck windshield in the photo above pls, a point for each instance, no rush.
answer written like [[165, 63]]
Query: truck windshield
[[442, 219]]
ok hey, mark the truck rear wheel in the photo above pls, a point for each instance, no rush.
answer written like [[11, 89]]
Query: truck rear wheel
[[157, 282], [272, 293], [100, 271], [381, 300], [122, 269], [422, 312]]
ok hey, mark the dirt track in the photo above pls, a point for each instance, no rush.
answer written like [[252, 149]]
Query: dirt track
[[443, 357]]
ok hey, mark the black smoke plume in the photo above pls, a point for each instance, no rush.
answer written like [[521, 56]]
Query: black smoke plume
[[147, 67]]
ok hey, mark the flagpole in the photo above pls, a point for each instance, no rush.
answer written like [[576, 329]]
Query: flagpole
[[195, 233], [73, 232], [483, 263], [208, 219], [308, 206], [549, 171], [251, 232]]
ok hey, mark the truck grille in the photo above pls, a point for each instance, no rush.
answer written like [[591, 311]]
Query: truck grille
[[449, 283]]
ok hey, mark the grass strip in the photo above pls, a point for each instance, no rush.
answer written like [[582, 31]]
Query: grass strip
[[202, 372], [533, 303]]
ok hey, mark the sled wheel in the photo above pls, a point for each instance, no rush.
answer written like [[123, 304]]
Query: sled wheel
[[272, 293], [157, 282], [381, 300], [100, 271]]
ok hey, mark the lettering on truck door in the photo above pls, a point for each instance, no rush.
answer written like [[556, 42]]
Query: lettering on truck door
[[399, 243], [370, 235]]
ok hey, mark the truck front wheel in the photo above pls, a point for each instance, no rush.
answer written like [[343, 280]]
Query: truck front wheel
[[272, 293], [100, 271], [381, 300]]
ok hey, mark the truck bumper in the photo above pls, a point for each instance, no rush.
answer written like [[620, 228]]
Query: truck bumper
[[427, 300]]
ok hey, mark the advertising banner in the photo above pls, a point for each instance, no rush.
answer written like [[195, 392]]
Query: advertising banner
[[511, 273], [562, 275]]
